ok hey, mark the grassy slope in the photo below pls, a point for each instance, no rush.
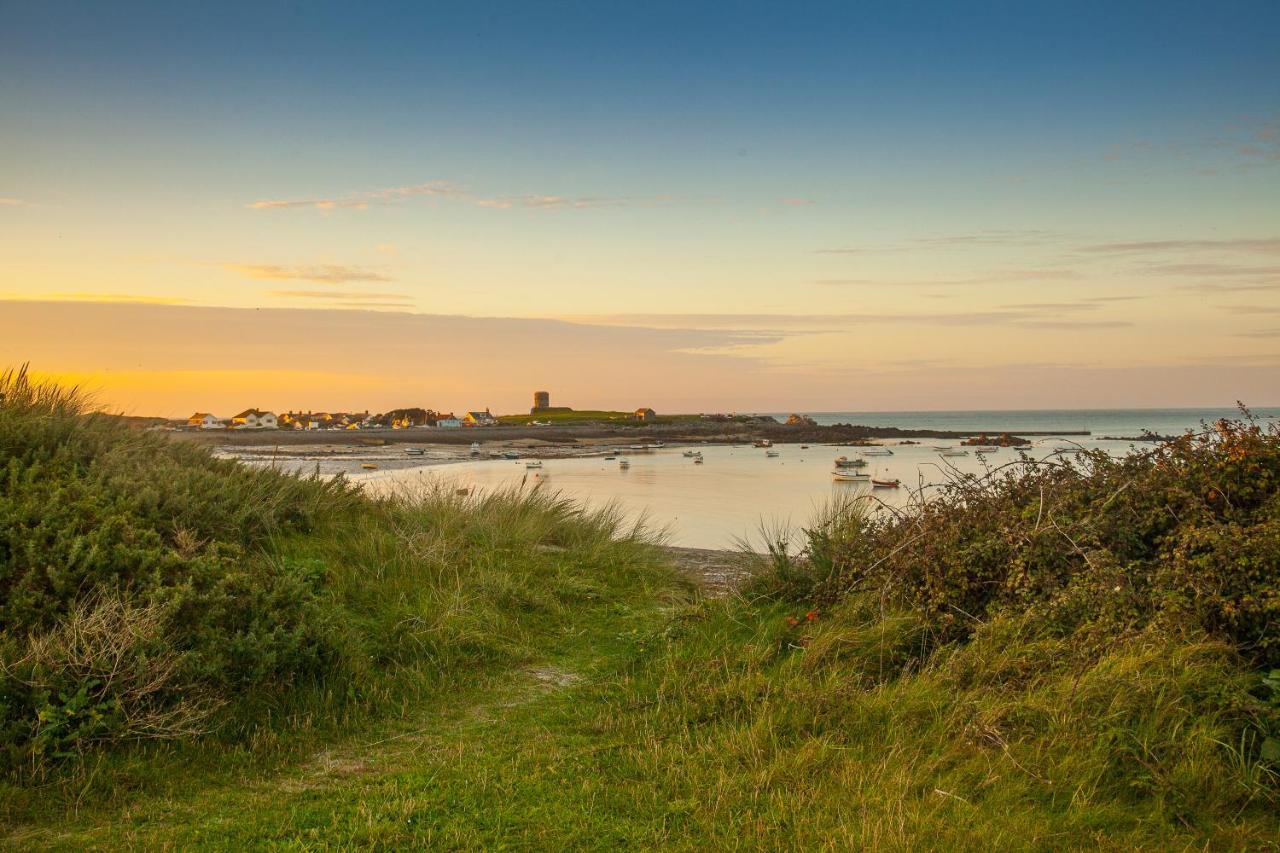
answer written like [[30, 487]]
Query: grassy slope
[[529, 680], [702, 730]]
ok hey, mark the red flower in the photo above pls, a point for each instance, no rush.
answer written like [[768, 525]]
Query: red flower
[[811, 615]]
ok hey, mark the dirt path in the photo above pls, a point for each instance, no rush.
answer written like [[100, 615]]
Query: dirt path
[[719, 572]]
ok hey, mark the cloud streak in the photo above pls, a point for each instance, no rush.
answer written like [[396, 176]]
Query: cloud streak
[[1263, 245], [996, 277], [322, 273]]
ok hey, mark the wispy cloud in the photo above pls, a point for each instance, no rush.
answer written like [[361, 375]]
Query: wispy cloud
[[317, 203], [323, 273], [1263, 245], [1212, 270], [993, 237], [997, 276], [9, 201], [548, 202], [340, 294], [798, 202], [126, 298], [362, 200], [1030, 316], [1265, 334], [1250, 309]]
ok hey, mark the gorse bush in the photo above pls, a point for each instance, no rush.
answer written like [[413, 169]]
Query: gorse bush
[[149, 552], [1187, 533]]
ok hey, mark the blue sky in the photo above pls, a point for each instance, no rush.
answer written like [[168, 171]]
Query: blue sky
[[667, 165]]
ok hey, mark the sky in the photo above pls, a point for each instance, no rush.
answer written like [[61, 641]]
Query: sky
[[694, 207]]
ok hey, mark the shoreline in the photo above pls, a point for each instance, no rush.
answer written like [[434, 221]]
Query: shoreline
[[587, 435]]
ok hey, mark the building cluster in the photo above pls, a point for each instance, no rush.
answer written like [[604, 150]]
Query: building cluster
[[253, 419]]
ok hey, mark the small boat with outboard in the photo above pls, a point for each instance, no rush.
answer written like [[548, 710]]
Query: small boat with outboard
[[692, 454], [877, 451], [846, 462], [533, 463], [762, 442], [772, 454], [849, 477], [954, 451], [414, 451], [885, 484]]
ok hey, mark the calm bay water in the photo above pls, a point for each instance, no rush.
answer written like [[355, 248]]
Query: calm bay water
[[738, 487]]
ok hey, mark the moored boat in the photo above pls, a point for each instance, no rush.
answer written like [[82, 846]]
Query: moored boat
[[533, 463], [762, 442], [771, 453], [369, 466], [849, 477], [877, 451], [624, 463], [885, 484], [846, 462], [954, 452]]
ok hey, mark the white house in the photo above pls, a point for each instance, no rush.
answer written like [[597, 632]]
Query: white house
[[204, 420], [254, 419]]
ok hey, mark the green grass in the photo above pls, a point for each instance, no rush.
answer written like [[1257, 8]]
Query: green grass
[[588, 417], [511, 671]]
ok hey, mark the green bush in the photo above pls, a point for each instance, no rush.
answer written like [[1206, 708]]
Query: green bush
[[1187, 533], [92, 512]]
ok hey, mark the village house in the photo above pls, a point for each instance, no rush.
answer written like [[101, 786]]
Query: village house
[[646, 415], [448, 423], [254, 419], [204, 420], [478, 419]]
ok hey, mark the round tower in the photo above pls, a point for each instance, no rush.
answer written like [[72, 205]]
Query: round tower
[[541, 400]]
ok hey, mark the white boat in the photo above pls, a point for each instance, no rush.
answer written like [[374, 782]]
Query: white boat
[[692, 454], [849, 477], [986, 450], [1067, 449], [877, 451], [533, 463], [475, 448], [762, 442], [772, 453], [846, 462], [954, 452], [941, 447], [414, 451]]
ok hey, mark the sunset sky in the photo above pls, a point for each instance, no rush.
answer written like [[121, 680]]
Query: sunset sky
[[695, 207]]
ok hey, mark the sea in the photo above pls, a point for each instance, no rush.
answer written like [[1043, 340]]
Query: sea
[[740, 496]]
